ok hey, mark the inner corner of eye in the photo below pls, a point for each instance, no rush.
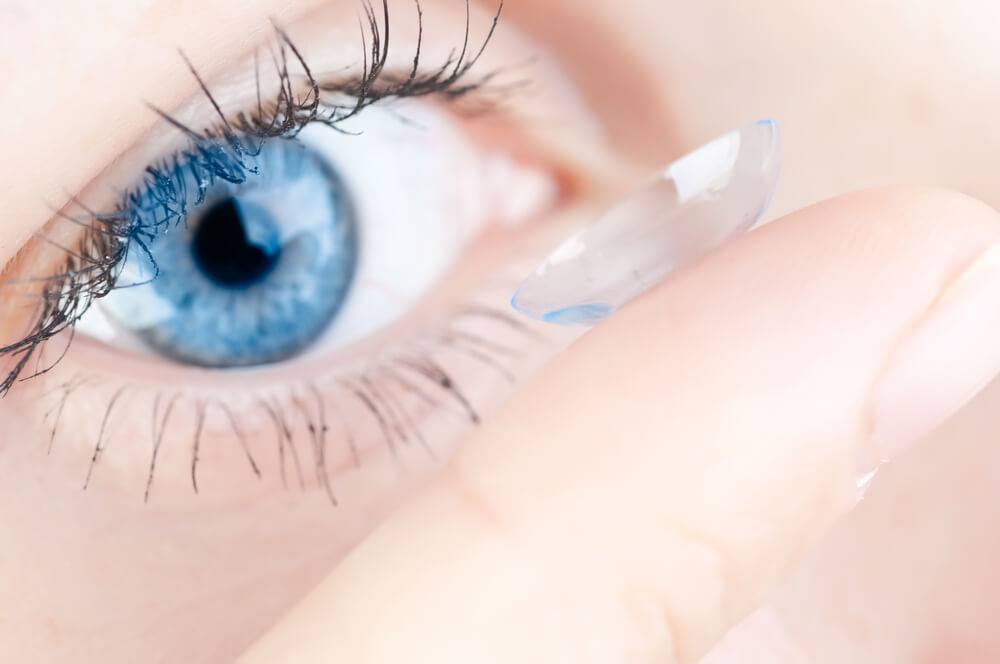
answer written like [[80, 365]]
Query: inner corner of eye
[[242, 261]]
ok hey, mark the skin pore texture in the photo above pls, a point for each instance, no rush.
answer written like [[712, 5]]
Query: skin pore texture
[[102, 576]]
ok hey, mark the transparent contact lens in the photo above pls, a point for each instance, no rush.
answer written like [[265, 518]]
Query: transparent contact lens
[[694, 205]]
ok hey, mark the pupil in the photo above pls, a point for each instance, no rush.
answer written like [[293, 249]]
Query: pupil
[[223, 250]]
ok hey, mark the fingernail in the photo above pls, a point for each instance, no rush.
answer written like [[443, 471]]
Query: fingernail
[[951, 355], [691, 207]]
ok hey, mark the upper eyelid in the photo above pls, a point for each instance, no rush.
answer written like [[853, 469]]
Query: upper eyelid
[[234, 92], [218, 53], [308, 102]]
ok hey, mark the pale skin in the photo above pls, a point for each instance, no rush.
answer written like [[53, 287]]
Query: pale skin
[[687, 468]]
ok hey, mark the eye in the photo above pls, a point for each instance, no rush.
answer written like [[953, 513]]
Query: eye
[[245, 259], [246, 249], [248, 257]]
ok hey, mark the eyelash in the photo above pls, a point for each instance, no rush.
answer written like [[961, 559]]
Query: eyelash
[[226, 151]]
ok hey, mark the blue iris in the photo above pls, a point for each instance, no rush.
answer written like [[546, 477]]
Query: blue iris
[[258, 269]]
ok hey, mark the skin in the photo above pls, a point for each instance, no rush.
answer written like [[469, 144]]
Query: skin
[[607, 536]]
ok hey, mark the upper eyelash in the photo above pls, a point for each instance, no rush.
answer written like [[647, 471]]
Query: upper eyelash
[[91, 270]]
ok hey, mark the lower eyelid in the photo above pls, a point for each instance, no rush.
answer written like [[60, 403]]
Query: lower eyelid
[[407, 407]]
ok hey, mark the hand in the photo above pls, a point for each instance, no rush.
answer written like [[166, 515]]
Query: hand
[[657, 482]]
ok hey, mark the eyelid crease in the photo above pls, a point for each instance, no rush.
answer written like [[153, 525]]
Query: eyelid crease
[[91, 270]]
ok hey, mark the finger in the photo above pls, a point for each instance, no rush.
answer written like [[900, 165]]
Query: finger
[[650, 486], [909, 576]]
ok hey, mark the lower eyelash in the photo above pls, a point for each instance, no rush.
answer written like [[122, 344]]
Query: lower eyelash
[[91, 270], [302, 420]]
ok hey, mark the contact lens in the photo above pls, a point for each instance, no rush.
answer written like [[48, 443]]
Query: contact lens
[[692, 206]]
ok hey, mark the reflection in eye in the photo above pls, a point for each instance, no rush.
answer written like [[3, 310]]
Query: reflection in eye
[[258, 269], [310, 223]]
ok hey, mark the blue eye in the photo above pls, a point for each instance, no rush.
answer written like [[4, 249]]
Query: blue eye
[[239, 258], [257, 269]]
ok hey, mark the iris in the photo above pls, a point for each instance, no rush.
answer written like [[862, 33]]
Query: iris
[[257, 271]]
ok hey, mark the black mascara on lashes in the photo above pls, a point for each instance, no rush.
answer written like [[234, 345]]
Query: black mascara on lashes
[[91, 270]]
